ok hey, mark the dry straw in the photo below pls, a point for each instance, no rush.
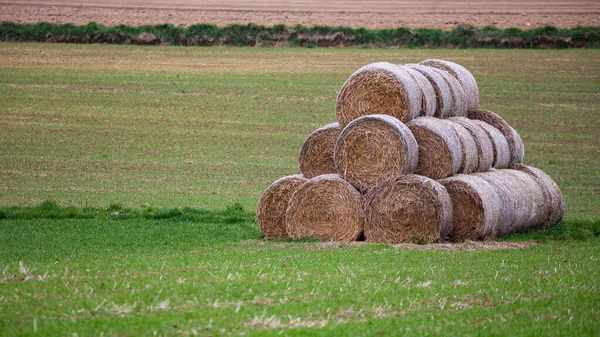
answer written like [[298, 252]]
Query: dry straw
[[273, 203], [429, 100], [485, 149], [466, 79], [407, 208], [515, 143], [316, 154], [553, 195], [459, 105], [440, 153], [476, 207], [326, 208], [470, 156], [378, 88], [372, 148], [499, 144], [443, 94]]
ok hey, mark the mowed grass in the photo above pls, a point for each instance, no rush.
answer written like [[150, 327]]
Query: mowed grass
[[157, 157]]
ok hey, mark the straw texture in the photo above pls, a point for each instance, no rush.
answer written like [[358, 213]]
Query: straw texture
[[459, 106], [429, 100], [499, 144], [273, 203], [466, 79], [515, 143], [470, 156], [485, 149], [316, 154], [443, 94]]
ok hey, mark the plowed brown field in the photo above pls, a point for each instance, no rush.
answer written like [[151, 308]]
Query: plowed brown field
[[444, 14]]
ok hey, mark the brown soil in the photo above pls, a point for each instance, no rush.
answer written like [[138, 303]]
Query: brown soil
[[445, 14]]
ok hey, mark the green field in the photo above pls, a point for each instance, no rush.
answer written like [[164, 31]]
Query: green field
[[157, 156]]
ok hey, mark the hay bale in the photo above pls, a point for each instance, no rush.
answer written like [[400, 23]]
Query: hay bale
[[443, 93], [459, 106], [552, 194], [378, 88], [499, 144], [466, 79], [372, 148], [485, 150], [407, 208], [325, 208], [470, 157], [476, 207], [316, 154], [515, 143], [440, 153], [273, 203], [429, 100], [508, 204]]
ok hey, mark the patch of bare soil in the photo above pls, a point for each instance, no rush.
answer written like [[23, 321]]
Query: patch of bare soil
[[374, 14]]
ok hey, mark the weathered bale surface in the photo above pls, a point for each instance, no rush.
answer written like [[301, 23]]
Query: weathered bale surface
[[325, 208], [499, 144], [407, 208], [552, 194], [443, 93], [459, 106], [273, 203], [476, 207], [485, 149], [372, 148], [316, 154], [470, 156], [440, 153], [429, 100], [378, 88], [515, 143], [466, 79]]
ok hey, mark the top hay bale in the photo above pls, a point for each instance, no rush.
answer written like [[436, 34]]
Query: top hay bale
[[463, 76], [378, 88], [442, 91], [515, 143], [429, 101], [316, 154]]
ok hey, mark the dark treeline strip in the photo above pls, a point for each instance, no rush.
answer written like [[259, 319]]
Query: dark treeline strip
[[300, 36]]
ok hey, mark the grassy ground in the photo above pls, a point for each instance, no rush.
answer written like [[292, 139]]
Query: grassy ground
[[162, 129]]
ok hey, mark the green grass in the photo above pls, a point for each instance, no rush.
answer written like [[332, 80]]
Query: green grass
[[156, 158]]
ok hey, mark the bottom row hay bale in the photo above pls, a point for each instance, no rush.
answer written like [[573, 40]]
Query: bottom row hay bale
[[273, 203], [440, 153], [316, 154], [499, 144], [485, 150], [325, 208], [476, 207], [515, 143], [407, 208], [552, 194]]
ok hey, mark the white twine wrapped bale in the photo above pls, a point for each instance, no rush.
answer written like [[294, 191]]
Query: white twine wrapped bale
[[466, 79], [429, 100], [515, 143], [443, 93]]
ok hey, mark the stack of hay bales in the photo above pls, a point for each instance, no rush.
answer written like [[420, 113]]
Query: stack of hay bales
[[411, 158]]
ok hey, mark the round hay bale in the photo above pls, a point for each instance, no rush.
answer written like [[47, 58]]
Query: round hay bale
[[316, 154], [429, 100], [476, 207], [378, 88], [407, 208], [470, 156], [508, 204], [326, 208], [440, 153], [499, 144], [466, 79], [443, 94], [553, 195], [273, 203], [485, 150], [372, 148], [459, 106], [515, 143]]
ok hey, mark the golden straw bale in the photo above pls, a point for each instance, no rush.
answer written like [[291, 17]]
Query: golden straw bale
[[499, 144], [429, 101], [515, 143], [443, 93], [273, 203], [316, 154], [466, 79], [485, 149], [326, 208]]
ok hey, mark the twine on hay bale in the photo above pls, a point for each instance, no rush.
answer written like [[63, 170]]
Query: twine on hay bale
[[515, 143], [273, 203], [476, 207], [443, 94], [470, 156], [553, 195], [429, 100], [378, 88], [407, 208], [485, 150], [326, 208], [440, 153], [466, 79], [499, 144], [316, 154], [372, 148]]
